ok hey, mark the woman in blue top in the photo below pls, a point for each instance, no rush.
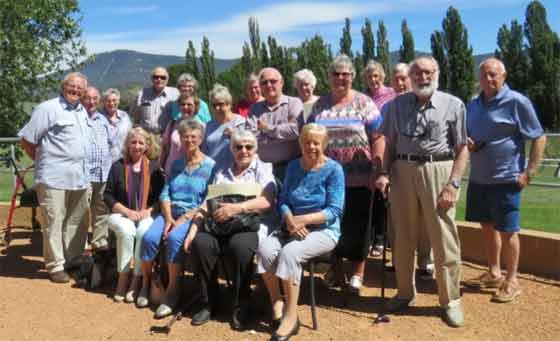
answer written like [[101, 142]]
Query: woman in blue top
[[311, 203], [183, 193]]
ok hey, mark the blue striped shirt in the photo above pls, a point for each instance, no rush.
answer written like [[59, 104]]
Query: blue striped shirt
[[99, 154]]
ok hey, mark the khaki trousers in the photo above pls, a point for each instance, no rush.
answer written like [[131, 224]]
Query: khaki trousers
[[99, 215], [415, 188], [64, 237]]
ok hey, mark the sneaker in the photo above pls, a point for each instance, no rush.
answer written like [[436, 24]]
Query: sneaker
[[355, 284], [201, 317], [142, 301], [59, 277], [166, 308], [485, 281], [425, 274], [396, 304], [453, 316], [330, 279], [507, 292]]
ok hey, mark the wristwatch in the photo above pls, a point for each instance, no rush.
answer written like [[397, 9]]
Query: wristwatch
[[455, 183]]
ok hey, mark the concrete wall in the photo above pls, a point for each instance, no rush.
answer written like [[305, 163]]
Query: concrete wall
[[540, 251]]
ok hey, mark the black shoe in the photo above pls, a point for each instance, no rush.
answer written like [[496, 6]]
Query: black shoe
[[239, 318], [294, 331], [59, 277], [274, 324], [201, 317]]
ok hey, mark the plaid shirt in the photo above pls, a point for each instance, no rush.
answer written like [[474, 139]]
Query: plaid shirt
[[99, 153]]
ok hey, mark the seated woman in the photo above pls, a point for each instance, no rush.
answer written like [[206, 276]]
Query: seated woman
[[311, 203], [181, 196], [246, 171], [132, 190]]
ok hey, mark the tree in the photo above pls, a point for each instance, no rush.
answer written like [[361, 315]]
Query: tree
[[191, 63], [457, 55], [383, 54], [512, 53], [346, 39], [264, 55], [368, 43], [438, 52], [246, 62], [314, 54], [208, 74], [38, 40], [406, 52], [255, 39], [543, 46]]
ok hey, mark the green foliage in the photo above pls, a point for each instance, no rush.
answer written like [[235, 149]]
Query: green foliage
[[406, 51], [383, 54], [511, 52], [38, 39], [346, 39], [438, 52], [368, 43], [544, 51], [191, 64], [208, 68], [313, 54], [255, 40]]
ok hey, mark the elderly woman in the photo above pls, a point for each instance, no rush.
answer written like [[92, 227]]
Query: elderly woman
[[311, 204], [131, 193], [171, 146], [401, 80], [181, 196], [216, 142], [246, 171], [252, 95], [351, 119], [373, 76], [188, 85], [119, 122], [305, 82]]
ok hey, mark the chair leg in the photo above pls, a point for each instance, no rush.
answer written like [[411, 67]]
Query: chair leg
[[312, 294]]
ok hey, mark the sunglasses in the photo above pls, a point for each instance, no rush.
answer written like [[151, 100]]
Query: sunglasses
[[341, 74], [267, 81], [240, 147], [161, 77]]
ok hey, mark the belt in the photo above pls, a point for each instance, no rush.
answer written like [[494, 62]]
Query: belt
[[425, 158]]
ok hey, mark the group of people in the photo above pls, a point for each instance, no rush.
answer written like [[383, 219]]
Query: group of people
[[307, 170]]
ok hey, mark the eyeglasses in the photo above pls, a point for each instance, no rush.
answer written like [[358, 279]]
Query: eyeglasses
[[240, 147], [267, 81], [341, 74], [160, 77]]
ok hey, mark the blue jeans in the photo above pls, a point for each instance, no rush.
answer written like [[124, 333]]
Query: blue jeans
[[175, 239]]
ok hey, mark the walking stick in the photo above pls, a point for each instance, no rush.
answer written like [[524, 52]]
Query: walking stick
[[382, 316]]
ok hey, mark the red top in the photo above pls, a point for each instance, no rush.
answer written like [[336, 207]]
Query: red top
[[242, 107]]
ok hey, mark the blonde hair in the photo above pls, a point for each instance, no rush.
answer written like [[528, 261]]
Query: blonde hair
[[152, 150], [314, 128]]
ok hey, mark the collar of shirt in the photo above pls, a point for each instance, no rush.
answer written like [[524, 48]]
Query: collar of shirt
[[283, 101], [69, 106], [432, 103], [95, 116], [499, 96], [251, 169], [119, 115]]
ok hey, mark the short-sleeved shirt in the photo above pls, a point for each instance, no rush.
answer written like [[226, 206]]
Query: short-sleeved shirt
[[99, 155], [152, 111], [186, 190], [243, 107], [349, 127], [436, 128], [382, 96], [60, 132], [175, 148], [203, 114], [117, 133], [280, 142], [216, 144], [502, 124]]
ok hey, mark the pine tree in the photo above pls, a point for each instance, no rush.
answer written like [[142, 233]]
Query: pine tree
[[368, 43], [276, 53], [512, 53], [383, 54], [406, 52], [255, 39], [191, 63], [314, 54], [543, 47], [265, 60], [438, 52], [346, 39], [208, 74], [246, 61]]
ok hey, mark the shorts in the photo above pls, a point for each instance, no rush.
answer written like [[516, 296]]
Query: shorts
[[498, 204]]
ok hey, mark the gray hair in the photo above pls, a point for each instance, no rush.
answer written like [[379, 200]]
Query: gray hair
[[342, 61], [190, 124], [251, 78], [501, 65], [109, 92], [159, 68], [272, 70], [185, 78], [74, 75], [220, 93], [401, 67], [242, 135], [372, 66], [305, 75], [414, 63]]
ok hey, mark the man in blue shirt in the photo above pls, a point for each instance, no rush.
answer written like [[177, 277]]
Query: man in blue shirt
[[56, 137], [499, 121]]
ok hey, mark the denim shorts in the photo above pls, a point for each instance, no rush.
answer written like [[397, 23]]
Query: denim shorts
[[498, 204]]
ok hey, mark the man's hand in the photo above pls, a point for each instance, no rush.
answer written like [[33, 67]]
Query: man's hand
[[261, 125], [447, 198], [382, 184], [523, 180]]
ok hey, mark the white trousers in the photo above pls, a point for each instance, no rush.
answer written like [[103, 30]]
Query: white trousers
[[129, 239]]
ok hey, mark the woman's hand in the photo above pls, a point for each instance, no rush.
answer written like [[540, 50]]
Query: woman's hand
[[169, 225], [133, 215], [226, 211], [144, 213], [294, 224], [301, 233]]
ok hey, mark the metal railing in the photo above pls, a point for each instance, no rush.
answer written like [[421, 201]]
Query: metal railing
[[12, 141]]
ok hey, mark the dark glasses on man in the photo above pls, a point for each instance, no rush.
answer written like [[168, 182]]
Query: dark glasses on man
[[240, 147], [161, 77]]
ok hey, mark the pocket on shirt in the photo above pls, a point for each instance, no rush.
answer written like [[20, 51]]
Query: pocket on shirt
[[63, 127]]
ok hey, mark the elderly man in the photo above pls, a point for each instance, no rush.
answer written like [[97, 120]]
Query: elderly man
[[56, 137], [151, 109], [98, 166], [275, 120], [499, 121], [424, 159]]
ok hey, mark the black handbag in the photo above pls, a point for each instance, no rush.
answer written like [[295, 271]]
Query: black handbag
[[244, 222]]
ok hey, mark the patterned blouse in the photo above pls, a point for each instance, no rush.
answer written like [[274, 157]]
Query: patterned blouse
[[349, 127]]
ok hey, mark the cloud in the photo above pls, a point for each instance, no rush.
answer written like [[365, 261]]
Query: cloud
[[129, 10]]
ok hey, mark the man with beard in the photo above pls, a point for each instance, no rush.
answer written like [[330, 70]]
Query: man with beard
[[424, 159]]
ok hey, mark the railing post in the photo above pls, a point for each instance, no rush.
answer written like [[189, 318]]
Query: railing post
[[13, 156]]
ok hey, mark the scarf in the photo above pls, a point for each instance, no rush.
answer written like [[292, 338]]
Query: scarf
[[144, 189]]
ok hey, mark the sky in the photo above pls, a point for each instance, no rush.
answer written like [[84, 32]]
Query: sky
[[164, 27]]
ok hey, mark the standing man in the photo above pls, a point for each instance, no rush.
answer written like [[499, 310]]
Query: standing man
[[499, 121], [98, 166], [275, 121], [424, 159], [56, 137], [151, 109]]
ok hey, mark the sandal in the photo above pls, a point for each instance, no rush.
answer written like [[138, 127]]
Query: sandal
[[507, 292]]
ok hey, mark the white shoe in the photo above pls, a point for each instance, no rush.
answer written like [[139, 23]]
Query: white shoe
[[355, 284]]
